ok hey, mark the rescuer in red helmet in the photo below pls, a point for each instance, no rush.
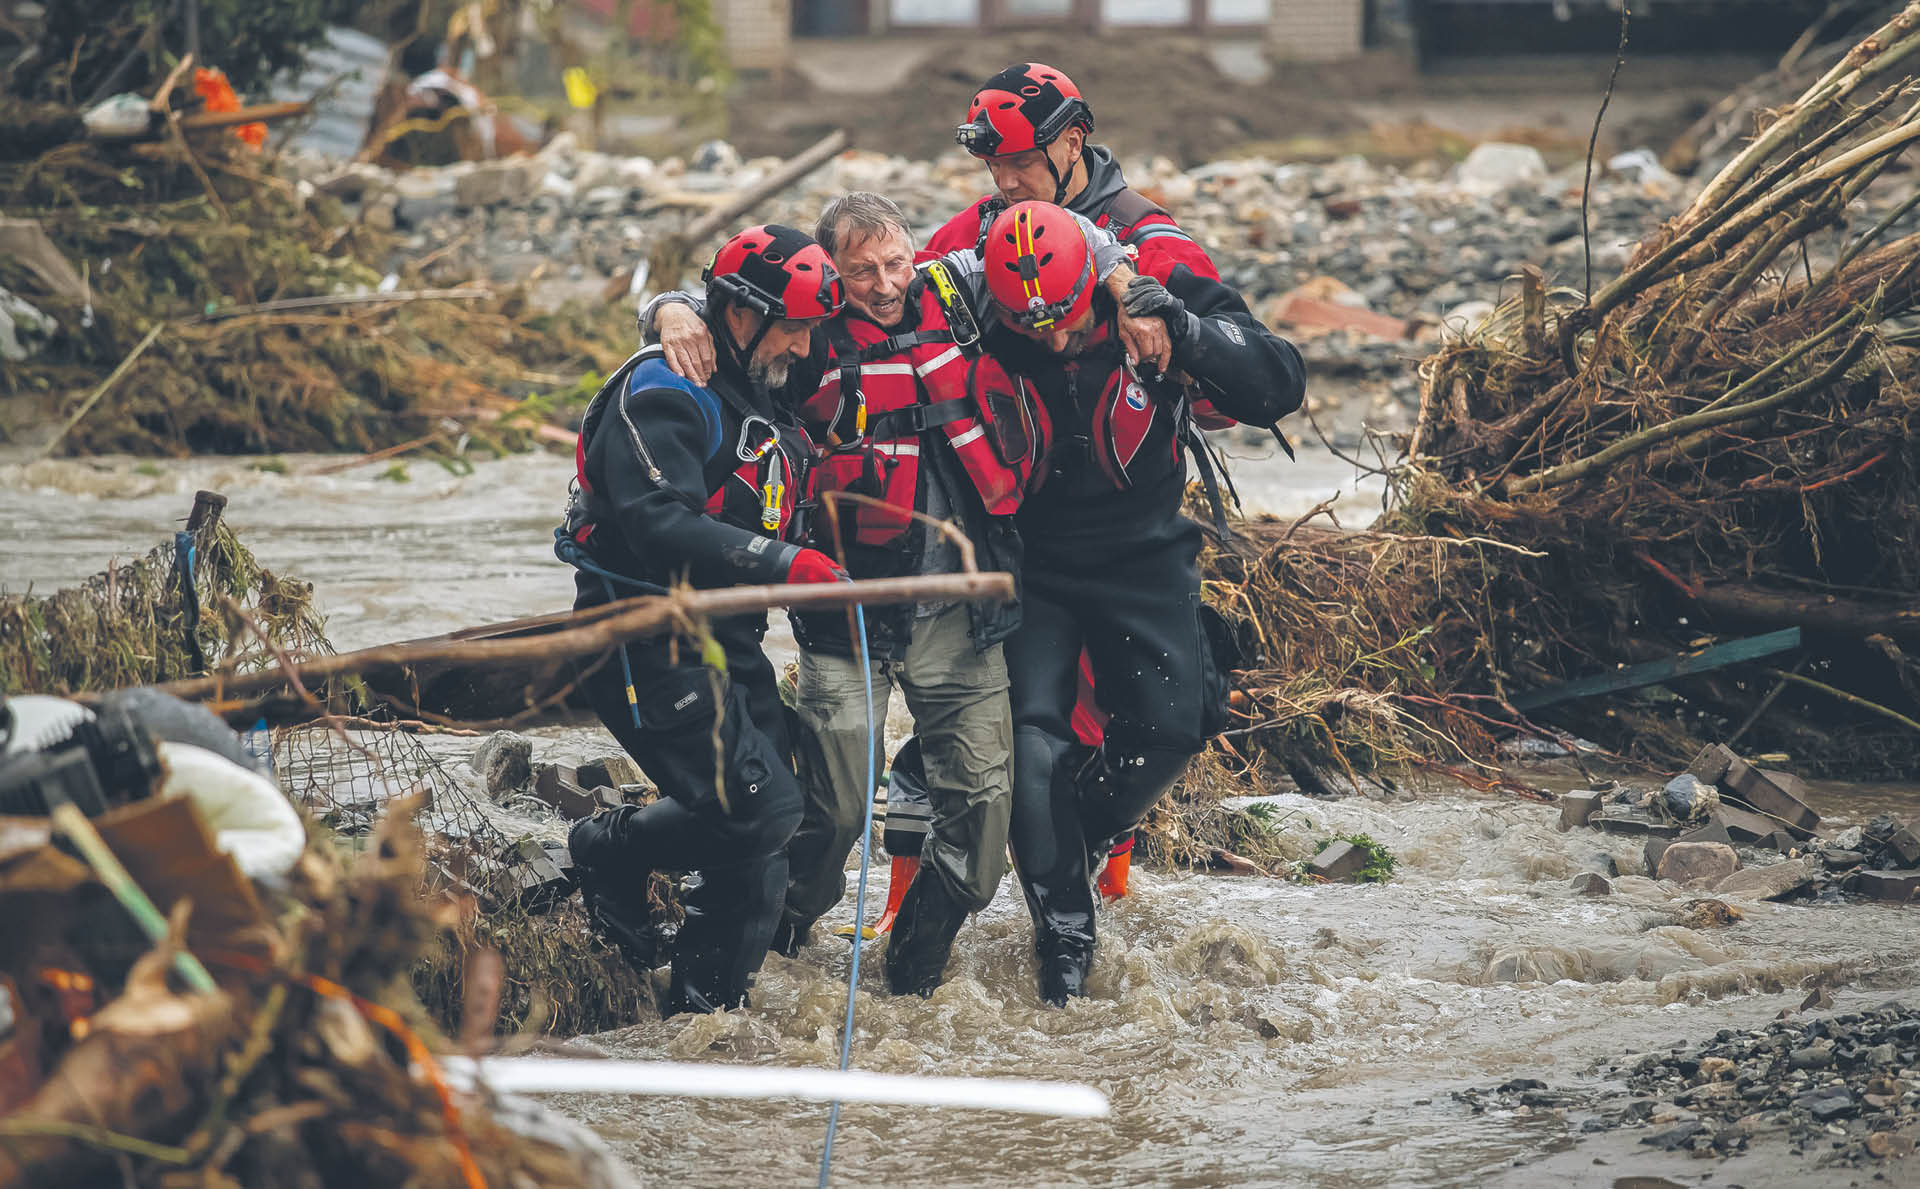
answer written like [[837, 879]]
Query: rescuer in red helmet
[[678, 481], [1030, 125], [1111, 563], [917, 425]]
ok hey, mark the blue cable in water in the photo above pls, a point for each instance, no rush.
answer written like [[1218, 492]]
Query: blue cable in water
[[860, 896]]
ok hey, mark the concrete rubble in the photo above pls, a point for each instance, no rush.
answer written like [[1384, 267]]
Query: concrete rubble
[[1410, 246], [1725, 825]]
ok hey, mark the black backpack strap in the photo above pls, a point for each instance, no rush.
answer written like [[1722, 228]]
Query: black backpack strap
[[1127, 208], [1282, 439], [1213, 472]]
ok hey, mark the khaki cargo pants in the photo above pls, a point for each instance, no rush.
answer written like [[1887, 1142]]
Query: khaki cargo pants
[[958, 699]]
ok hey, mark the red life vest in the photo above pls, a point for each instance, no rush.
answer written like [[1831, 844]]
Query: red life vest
[[883, 393]]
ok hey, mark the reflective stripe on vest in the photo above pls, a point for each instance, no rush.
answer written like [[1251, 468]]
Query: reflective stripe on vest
[[987, 417]]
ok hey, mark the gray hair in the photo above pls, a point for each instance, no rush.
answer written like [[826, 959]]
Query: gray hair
[[863, 213]]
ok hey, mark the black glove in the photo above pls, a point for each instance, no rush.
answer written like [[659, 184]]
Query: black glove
[[1148, 298]]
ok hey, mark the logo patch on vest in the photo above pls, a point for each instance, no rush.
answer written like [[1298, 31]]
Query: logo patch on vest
[[1231, 331], [1136, 397], [686, 700]]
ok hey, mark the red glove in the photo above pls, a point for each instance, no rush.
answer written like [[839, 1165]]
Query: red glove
[[811, 565]]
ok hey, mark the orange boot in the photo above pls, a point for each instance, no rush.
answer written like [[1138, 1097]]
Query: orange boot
[[899, 877], [1113, 877]]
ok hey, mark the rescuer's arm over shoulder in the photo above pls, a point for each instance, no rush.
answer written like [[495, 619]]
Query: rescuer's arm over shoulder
[[650, 458], [677, 321], [1245, 370]]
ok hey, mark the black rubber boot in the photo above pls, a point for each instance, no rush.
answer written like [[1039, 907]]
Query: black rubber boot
[[616, 904], [1065, 963], [1050, 853], [922, 938], [790, 936], [684, 997], [626, 927]]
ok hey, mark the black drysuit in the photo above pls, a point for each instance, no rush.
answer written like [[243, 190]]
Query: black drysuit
[[680, 480], [1111, 566]]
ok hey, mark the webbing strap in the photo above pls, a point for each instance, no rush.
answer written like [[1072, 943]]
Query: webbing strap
[[893, 345], [902, 423]]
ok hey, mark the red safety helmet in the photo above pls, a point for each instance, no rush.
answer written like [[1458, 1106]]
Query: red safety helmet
[[1023, 107], [1039, 267], [777, 272]]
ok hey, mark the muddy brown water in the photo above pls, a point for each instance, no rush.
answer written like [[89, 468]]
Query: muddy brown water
[[1248, 1031]]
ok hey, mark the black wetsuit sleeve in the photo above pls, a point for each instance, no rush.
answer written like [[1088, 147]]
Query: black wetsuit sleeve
[[1245, 370], [664, 522]]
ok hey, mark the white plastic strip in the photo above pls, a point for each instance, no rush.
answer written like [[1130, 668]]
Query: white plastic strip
[[971, 436], [886, 369], [562, 1075]]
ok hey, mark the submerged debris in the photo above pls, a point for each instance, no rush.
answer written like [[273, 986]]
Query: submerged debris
[[136, 625]]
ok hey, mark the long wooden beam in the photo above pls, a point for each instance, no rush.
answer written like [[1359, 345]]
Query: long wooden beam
[[597, 630]]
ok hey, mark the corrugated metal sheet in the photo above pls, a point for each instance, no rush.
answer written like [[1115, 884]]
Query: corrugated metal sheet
[[350, 67]]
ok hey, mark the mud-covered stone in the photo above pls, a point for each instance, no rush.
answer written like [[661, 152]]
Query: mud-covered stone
[[1769, 882], [1338, 861], [504, 763], [1705, 863]]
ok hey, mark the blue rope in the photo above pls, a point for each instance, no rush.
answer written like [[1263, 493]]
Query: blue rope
[[860, 896]]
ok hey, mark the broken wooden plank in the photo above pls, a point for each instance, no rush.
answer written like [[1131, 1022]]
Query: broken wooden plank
[[259, 113], [1719, 656]]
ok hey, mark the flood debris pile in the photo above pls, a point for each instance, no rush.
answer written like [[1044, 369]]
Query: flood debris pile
[[1722, 439], [1711, 469], [185, 607], [303, 1059], [504, 861], [186, 298]]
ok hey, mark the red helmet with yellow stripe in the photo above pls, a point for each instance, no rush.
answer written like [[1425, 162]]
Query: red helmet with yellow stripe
[[1039, 267]]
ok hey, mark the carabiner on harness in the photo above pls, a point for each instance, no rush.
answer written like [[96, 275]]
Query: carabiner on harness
[[773, 489]]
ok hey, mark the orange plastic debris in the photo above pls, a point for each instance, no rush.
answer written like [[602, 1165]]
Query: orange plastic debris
[[211, 84]]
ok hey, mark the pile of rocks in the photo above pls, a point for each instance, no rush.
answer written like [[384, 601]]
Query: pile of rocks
[[1846, 1087], [1418, 247], [1393, 257]]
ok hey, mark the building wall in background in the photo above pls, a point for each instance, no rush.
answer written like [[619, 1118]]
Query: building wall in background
[[758, 33], [1225, 16], [1316, 30]]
